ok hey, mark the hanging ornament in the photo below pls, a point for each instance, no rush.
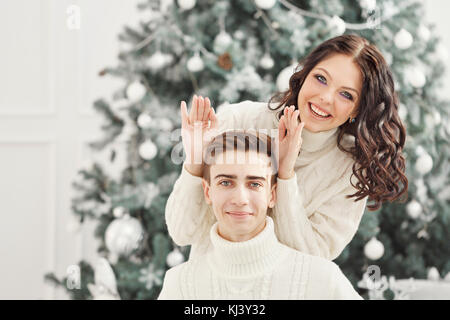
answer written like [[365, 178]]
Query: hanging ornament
[[423, 32], [337, 25], [186, 4], [225, 62], [105, 287], [415, 77], [368, 5], [165, 124], [403, 39], [437, 118], [174, 258], [123, 236], [414, 209], [195, 63], [265, 4], [239, 34], [136, 91], [222, 42], [374, 249], [159, 60], [433, 274], [148, 150], [424, 163], [119, 212], [266, 62], [144, 121], [284, 76]]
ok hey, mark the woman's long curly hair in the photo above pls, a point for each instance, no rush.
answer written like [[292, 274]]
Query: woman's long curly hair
[[379, 133]]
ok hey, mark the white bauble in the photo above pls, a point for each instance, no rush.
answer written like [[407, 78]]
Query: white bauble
[[195, 63], [186, 4], [158, 61], [284, 76], [148, 150], [221, 42], [414, 209], [424, 163], [266, 62], [368, 5], [144, 121], [136, 91], [336, 24], [402, 111], [416, 77], [433, 274], [165, 124], [119, 212], [423, 32], [403, 39], [437, 118], [123, 235], [174, 258], [239, 34], [265, 4], [374, 249]]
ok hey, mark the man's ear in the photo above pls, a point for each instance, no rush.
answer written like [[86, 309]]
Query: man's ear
[[206, 189], [273, 196]]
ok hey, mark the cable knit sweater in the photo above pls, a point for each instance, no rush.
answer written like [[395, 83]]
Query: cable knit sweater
[[258, 269], [311, 215]]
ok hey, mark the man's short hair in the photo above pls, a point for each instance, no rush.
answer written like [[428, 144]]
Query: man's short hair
[[240, 140]]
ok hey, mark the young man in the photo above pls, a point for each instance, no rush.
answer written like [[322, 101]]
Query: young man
[[246, 261]]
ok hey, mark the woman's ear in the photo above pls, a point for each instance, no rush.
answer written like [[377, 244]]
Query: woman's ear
[[206, 189], [273, 196]]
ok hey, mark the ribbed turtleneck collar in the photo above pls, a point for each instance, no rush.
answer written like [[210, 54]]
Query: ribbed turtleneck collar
[[247, 258], [313, 141]]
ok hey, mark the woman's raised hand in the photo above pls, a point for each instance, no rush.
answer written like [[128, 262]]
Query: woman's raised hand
[[197, 128], [290, 142]]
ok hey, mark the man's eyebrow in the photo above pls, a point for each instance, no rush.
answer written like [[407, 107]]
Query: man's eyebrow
[[348, 88], [230, 176]]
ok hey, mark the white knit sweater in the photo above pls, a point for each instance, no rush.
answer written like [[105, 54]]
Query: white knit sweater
[[258, 269], [311, 215]]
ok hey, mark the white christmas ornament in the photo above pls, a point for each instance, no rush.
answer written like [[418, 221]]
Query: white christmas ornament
[[414, 209], [221, 42], [186, 4], [437, 118], [105, 287], [424, 163], [119, 212], [284, 76], [123, 235], [368, 5], [416, 77], [195, 63], [374, 249], [433, 274], [403, 39], [165, 124], [423, 32], [136, 91], [265, 4], [174, 258], [266, 62], [144, 121], [336, 24], [148, 150], [159, 60]]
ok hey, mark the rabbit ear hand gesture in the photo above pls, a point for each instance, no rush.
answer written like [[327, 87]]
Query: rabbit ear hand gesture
[[290, 141]]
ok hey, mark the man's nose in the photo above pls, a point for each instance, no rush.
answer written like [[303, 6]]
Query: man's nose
[[240, 196]]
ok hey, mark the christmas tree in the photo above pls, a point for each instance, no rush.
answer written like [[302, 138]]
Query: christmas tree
[[236, 50]]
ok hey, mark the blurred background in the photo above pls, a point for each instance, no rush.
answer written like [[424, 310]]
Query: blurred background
[[86, 116]]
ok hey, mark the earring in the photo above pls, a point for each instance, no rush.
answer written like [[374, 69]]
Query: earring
[[351, 120]]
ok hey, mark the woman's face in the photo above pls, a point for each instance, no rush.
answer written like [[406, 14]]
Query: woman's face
[[333, 88]]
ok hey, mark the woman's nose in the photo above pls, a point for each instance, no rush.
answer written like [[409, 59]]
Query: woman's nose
[[327, 96]]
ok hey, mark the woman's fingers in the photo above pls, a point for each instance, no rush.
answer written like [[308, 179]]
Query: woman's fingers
[[201, 107], [193, 111], [282, 128], [206, 110], [184, 114], [213, 118]]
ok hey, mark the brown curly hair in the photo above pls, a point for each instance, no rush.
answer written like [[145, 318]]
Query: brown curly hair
[[378, 130]]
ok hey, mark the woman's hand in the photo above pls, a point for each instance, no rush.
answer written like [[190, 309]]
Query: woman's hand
[[196, 131], [290, 142]]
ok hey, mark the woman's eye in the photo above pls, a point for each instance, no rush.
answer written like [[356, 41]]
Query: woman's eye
[[321, 79], [347, 95]]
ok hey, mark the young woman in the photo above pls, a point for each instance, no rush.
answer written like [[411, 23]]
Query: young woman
[[346, 150]]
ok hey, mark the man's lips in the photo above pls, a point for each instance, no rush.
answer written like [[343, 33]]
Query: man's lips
[[239, 213]]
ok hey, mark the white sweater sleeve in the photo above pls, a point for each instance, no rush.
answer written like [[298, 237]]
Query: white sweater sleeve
[[343, 288], [171, 289], [188, 217], [326, 231]]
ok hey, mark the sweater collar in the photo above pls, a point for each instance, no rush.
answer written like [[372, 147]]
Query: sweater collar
[[245, 259], [312, 141]]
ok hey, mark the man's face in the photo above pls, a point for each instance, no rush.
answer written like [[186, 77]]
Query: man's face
[[240, 194]]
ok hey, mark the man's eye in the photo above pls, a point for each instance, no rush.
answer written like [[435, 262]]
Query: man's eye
[[225, 183], [321, 78], [255, 184], [347, 95]]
